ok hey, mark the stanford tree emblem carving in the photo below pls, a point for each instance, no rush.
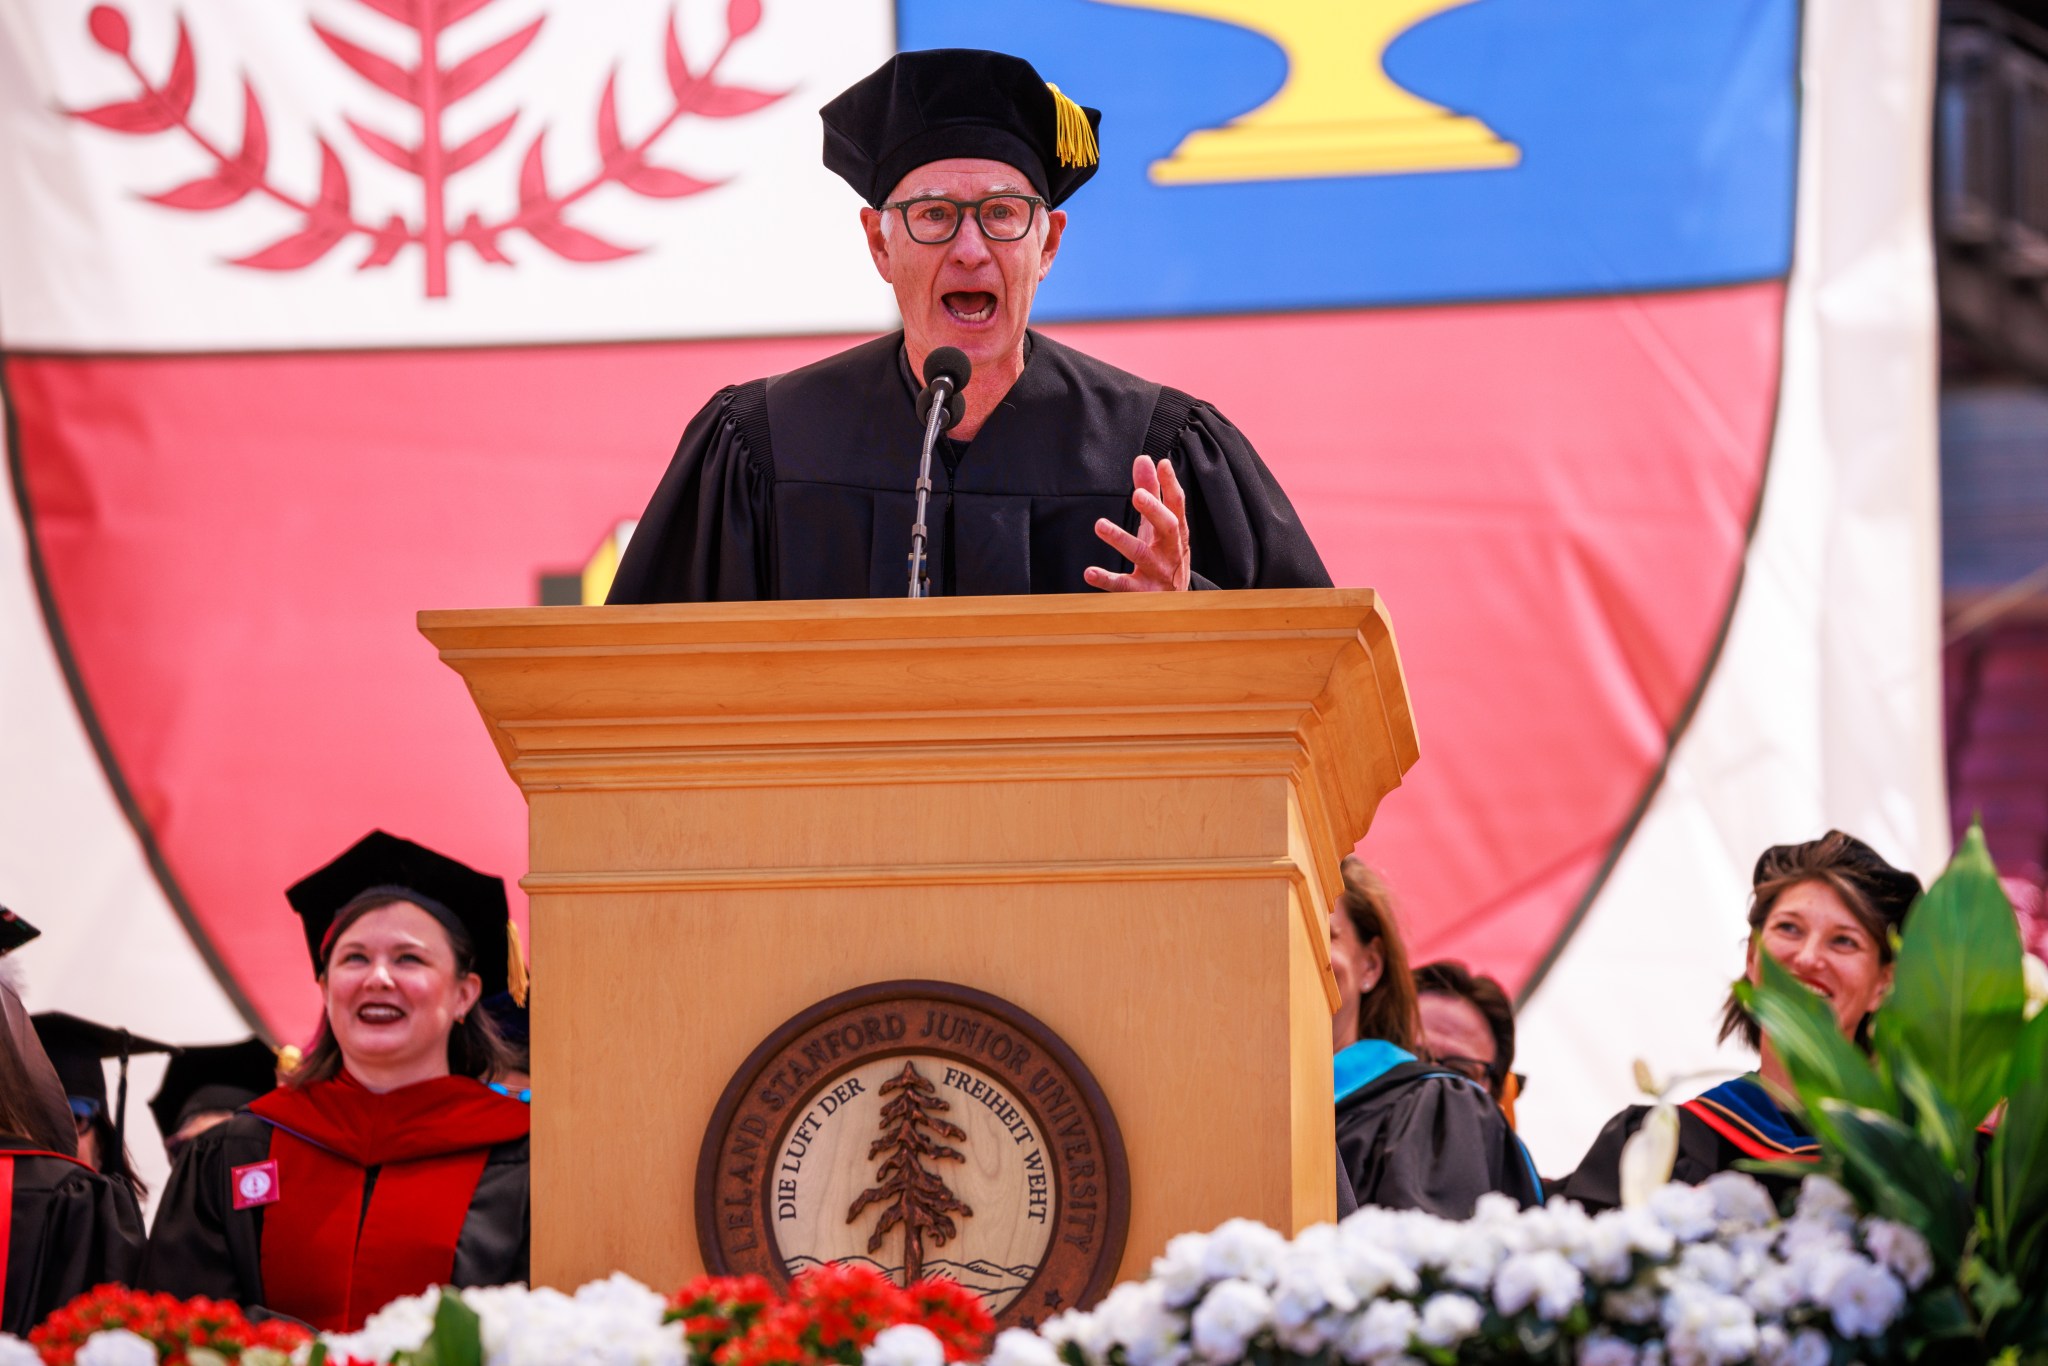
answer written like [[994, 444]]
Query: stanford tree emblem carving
[[919, 1200], [434, 82]]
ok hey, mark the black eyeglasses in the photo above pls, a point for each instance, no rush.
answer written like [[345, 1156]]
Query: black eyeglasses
[[934, 219]]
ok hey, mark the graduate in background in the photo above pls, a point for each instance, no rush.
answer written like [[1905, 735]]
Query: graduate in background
[[79, 1050], [1061, 468], [67, 1227], [1826, 910], [1410, 1134], [384, 1165], [206, 1084]]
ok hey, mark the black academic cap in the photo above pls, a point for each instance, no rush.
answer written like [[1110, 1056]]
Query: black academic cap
[[213, 1077], [78, 1047], [921, 107], [388, 868], [14, 931]]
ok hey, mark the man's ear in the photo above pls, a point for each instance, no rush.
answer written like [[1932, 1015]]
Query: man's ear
[[1055, 228], [878, 244]]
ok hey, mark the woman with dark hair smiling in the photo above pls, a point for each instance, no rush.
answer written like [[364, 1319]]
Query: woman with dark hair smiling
[[1826, 910], [1410, 1134], [384, 1165]]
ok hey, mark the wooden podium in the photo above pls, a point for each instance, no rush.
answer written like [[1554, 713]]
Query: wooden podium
[[1123, 814]]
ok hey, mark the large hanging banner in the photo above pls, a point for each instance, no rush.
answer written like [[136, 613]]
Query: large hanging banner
[[314, 314]]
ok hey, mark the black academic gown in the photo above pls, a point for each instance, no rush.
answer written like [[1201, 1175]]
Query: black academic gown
[[1413, 1136], [1735, 1121], [201, 1245], [69, 1229], [800, 486]]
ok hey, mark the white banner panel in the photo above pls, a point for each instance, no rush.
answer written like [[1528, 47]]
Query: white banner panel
[[554, 173], [1825, 709]]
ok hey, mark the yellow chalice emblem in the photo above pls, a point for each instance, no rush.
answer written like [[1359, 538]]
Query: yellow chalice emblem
[[1338, 114]]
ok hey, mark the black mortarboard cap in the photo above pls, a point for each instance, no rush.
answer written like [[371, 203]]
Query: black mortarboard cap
[[14, 931], [213, 1077], [386, 867], [920, 107], [77, 1048]]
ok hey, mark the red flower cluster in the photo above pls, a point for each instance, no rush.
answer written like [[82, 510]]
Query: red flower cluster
[[831, 1315], [175, 1326]]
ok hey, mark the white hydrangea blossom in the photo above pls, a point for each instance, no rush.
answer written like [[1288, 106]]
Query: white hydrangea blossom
[[1380, 1333], [1687, 1211], [904, 1344], [1861, 1296], [1703, 1327], [1013, 1347], [1244, 1250], [1823, 1201], [117, 1347], [1543, 1279], [1448, 1319], [1232, 1314], [1602, 1349], [1901, 1250], [15, 1352]]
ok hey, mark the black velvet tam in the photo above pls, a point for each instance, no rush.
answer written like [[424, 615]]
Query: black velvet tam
[[921, 107], [393, 869], [78, 1047], [212, 1077]]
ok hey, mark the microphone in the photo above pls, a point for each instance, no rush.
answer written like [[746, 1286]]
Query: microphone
[[941, 406]]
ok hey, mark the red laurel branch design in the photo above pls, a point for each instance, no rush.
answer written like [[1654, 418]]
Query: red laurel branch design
[[432, 87]]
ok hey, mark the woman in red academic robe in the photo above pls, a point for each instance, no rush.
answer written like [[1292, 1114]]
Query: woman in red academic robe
[[384, 1165]]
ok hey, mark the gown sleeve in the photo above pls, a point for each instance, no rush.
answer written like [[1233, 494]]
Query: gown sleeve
[[81, 1231], [199, 1244], [495, 1245], [1244, 532], [1439, 1144], [708, 533]]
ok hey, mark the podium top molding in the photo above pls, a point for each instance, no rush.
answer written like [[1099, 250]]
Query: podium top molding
[[1305, 681]]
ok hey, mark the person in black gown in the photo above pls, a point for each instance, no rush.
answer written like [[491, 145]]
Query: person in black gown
[[1410, 1134], [1062, 467], [79, 1050], [384, 1166], [68, 1228], [1826, 910], [205, 1085]]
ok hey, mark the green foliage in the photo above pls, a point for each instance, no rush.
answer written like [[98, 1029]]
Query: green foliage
[[457, 1338], [1899, 1127], [1957, 988]]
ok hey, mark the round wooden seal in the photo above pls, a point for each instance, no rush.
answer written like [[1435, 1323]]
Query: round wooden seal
[[923, 1129]]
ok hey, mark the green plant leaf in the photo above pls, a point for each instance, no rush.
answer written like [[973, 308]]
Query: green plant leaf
[[1957, 988], [2017, 1168], [1803, 1032], [457, 1339], [1928, 1112], [1904, 1179]]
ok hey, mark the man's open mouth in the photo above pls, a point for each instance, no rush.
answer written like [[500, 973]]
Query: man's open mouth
[[970, 305]]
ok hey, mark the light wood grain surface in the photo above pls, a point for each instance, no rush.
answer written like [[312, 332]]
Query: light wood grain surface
[[1124, 814]]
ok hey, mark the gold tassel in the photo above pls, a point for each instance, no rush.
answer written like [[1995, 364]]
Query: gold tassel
[[288, 1059], [516, 979], [1075, 139]]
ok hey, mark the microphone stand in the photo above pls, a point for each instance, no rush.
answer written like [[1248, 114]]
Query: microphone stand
[[934, 422]]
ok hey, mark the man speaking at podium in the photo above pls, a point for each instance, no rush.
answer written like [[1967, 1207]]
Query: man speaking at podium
[[1055, 469]]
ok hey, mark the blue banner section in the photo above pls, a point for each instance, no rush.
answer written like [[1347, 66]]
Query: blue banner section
[[1498, 149]]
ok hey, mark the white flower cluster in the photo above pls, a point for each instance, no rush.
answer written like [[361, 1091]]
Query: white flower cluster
[[1704, 1275], [614, 1322]]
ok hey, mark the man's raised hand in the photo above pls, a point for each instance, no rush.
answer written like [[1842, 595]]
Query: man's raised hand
[[1159, 554]]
